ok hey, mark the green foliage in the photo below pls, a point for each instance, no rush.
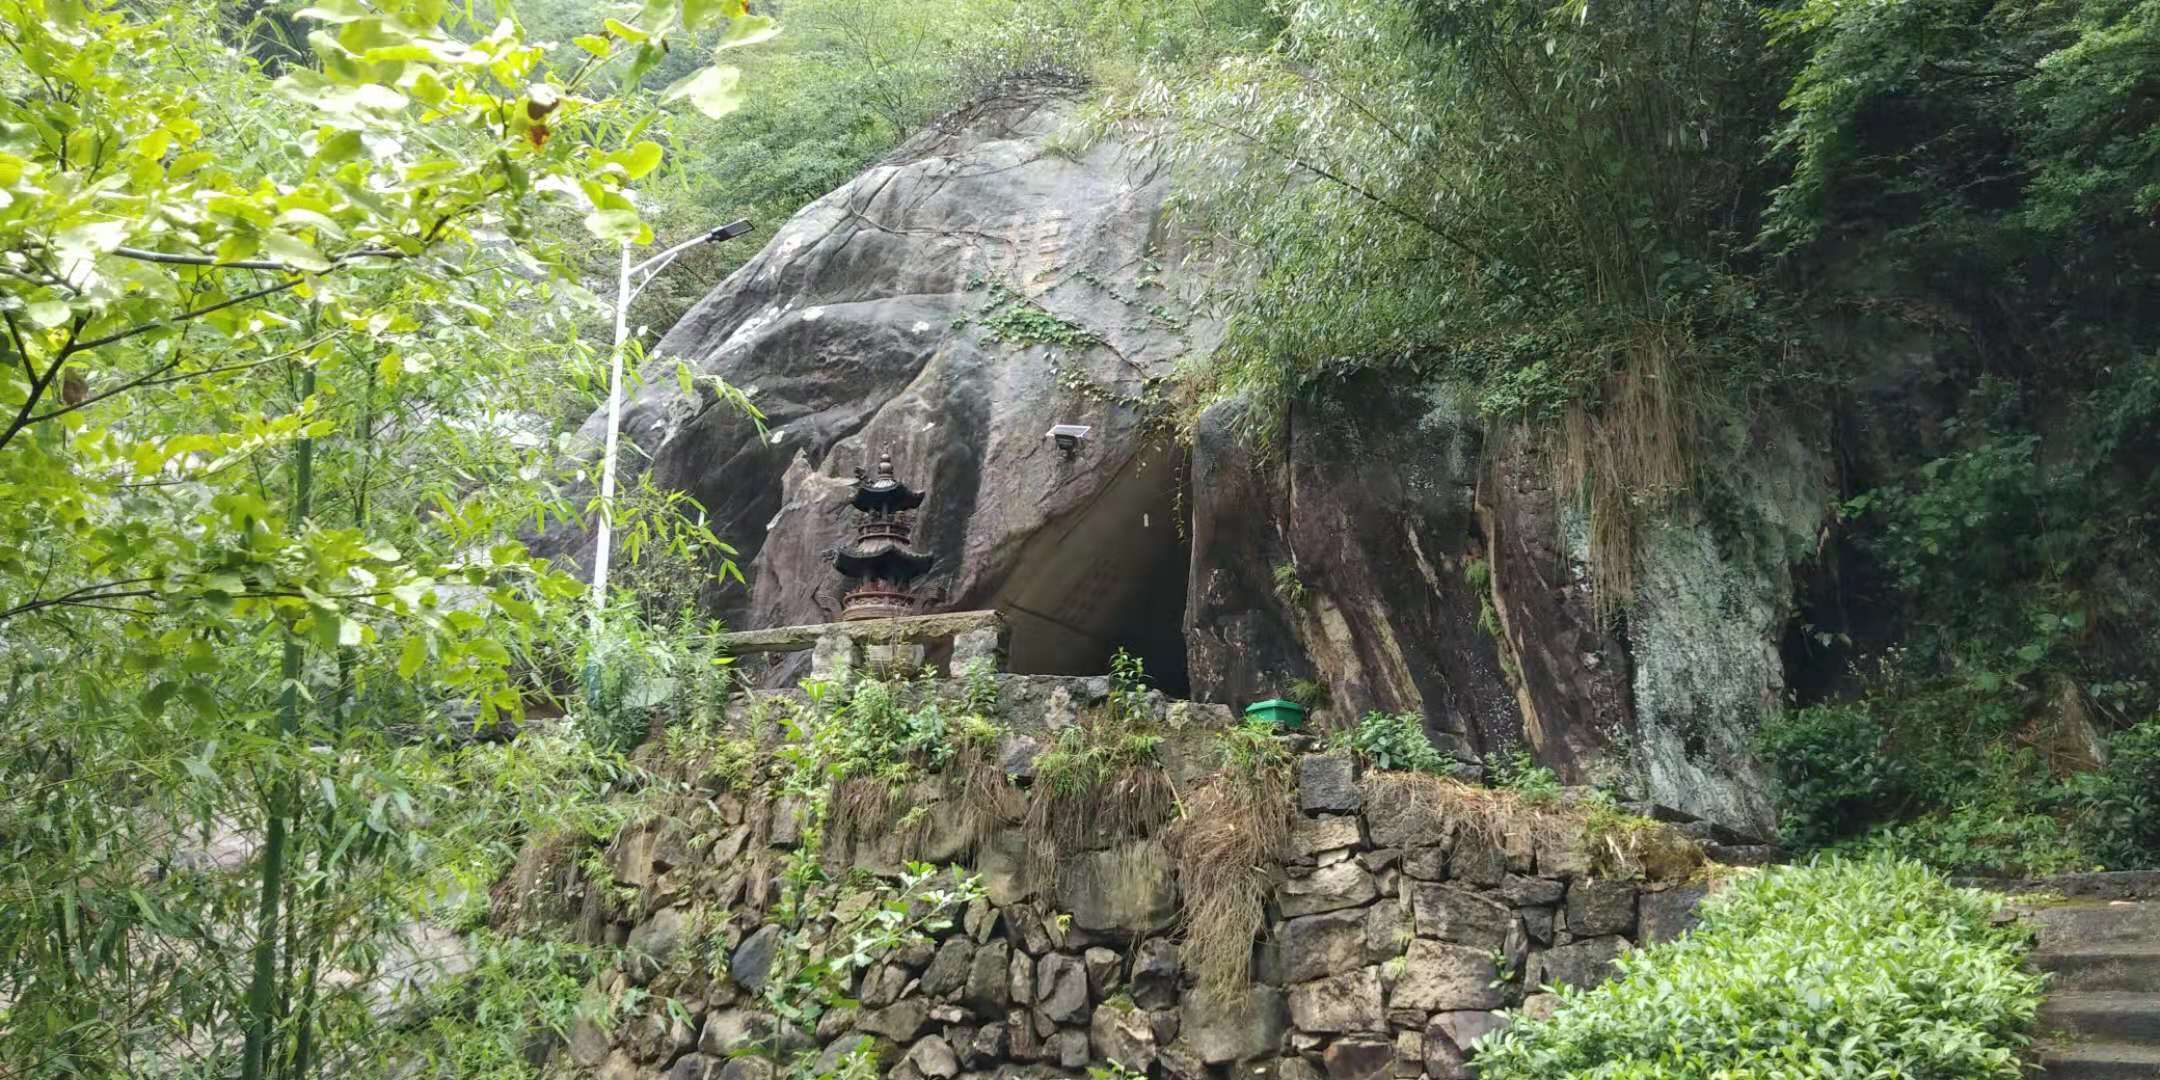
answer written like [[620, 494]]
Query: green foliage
[[1392, 741], [264, 458], [1087, 755], [1007, 316], [822, 951], [1468, 186], [482, 1023], [879, 734], [1252, 749], [1288, 585], [1934, 770], [2046, 109], [1525, 777], [1839, 968]]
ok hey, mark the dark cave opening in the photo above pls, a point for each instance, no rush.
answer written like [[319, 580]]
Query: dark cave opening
[[1111, 576]]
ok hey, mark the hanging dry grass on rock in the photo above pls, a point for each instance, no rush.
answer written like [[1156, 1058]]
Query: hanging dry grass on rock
[[1633, 453], [1229, 847]]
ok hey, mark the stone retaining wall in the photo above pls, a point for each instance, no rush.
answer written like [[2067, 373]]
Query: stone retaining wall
[[1395, 936]]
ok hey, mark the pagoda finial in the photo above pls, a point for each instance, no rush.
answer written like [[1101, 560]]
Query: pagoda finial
[[884, 466]]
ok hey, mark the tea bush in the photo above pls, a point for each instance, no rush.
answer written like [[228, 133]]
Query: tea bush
[[1874, 967]]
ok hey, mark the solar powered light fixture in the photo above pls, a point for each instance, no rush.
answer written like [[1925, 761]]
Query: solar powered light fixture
[[1068, 437]]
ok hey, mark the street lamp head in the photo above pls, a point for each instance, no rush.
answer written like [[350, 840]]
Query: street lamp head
[[729, 231], [1068, 437]]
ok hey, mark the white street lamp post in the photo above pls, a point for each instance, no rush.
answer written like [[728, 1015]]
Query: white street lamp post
[[627, 288]]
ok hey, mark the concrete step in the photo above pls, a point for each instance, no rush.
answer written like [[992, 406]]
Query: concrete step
[[2108, 967], [2100, 1061], [2086, 925], [2104, 1015]]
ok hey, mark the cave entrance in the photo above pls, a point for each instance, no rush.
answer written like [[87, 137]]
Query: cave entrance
[[1111, 576]]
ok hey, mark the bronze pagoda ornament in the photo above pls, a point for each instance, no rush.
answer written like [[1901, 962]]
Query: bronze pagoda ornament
[[883, 556]]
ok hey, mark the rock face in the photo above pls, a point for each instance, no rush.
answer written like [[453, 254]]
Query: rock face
[[949, 306], [987, 281]]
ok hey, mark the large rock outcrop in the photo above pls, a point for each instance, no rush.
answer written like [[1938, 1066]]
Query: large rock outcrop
[[948, 307], [998, 275]]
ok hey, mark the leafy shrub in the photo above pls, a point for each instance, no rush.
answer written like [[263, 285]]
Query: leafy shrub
[[2120, 805], [1393, 741], [1522, 775], [1831, 770], [1872, 967]]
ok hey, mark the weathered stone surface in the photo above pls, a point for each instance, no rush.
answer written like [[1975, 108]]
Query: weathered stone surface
[[1102, 970], [881, 985], [1443, 1060], [1525, 891], [1020, 977], [588, 1042], [1181, 1062], [1068, 1048], [1382, 481], [1327, 889], [1540, 1006], [1668, 914], [1240, 1026], [989, 990], [1061, 989], [620, 1066], [1360, 1057], [1453, 913], [1297, 1068], [1388, 930], [747, 1068], [1380, 860], [751, 963], [1425, 863], [1155, 974], [1439, 975], [729, 1030], [656, 940], [987, 1047], [1398, 818], [1409, 1053], [1537, 923], [1347, 1002], [1465, 1027], [1310, 836], [933, 1057], [1596, 907], [1582, 963], [1022, 1040], [694, 1067], [900, 1021], [1327, 783], [1315, 946], [948, 970], [1124, 1035], [835, 1022], [661, 1037], [882, 1051], [1130, 888], [1477, 859]]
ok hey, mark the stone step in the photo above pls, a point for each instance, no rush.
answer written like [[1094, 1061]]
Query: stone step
[[2111, 1015], [2117, 967], [2092, 925], [2100, 1061]]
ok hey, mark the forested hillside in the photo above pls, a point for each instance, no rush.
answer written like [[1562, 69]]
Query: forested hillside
[[1777, 385]]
